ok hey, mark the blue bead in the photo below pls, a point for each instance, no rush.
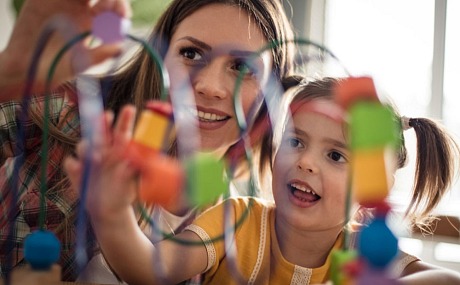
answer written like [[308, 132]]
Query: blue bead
[[41, 249], [377, 244]]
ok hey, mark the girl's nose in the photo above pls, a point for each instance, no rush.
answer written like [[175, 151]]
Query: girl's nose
[[211, 81], [307, 163]]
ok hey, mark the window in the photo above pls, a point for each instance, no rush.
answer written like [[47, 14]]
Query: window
[[410, 48]]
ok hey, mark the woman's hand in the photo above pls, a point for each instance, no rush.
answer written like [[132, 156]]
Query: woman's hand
[[34, 15], [112, 186]]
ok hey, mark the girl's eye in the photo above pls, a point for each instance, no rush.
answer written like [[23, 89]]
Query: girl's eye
[[337, 156], [294, 143], [191, 54]]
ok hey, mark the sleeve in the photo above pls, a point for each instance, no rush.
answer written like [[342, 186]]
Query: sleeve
[[21, 157], [401, 262], [209, 226], [25, 156], [9, 113], [61, 106]]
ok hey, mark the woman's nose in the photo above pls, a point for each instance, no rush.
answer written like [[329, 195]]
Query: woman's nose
[[211, 81]]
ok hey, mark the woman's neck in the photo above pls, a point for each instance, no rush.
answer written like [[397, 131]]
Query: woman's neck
[[305, 248]]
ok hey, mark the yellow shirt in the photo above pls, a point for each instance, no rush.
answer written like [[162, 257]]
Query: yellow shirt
[[256, 249], [254, 256]]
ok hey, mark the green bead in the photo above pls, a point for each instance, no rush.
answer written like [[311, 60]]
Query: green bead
[[338, 260], [373, 125], [205, 179]]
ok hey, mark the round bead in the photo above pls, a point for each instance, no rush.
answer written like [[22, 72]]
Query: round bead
[[41, 249]]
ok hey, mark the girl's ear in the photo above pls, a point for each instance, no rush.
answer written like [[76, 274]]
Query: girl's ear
[[391, 180]]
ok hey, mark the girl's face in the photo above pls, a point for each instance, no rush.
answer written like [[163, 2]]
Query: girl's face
[[208, 48], [310, 171]]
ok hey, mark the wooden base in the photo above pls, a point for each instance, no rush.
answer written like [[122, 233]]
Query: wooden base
[[27, 276]]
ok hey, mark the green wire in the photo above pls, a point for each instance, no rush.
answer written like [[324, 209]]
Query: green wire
[[241, 117], [164, 96], [44, 150], [159, 64]]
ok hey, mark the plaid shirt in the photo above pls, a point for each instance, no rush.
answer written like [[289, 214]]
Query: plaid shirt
[[61, 201]]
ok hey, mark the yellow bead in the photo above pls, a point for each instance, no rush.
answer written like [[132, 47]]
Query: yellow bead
[[370, 182], [151, 129]]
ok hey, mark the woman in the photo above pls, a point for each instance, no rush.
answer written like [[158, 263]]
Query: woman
[[198, 37]]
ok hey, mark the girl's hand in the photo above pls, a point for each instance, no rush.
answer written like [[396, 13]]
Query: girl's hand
[[34, 15], [112, 185]]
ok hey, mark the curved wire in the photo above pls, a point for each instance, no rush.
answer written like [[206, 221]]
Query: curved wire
[[81, 254], [243, 124], [43, 38]]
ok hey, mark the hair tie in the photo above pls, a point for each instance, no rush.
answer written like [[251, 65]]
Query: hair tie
[[406, 123]]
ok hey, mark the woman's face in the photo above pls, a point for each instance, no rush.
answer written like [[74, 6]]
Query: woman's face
[[310, 171], [208, 48]]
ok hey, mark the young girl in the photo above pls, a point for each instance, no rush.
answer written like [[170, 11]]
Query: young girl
[[288, 241], [207, 40]]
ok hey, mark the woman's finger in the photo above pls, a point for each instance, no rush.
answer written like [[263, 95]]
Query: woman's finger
[[121, 7], [92, 57]]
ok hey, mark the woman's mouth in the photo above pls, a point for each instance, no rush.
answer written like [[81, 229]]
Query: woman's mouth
[[210, 117], [209, 120]]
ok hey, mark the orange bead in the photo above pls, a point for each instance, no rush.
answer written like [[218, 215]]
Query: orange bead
[[355, 89], [161, 181]]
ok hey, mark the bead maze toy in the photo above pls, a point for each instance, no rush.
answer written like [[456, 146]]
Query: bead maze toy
[[373, 133]]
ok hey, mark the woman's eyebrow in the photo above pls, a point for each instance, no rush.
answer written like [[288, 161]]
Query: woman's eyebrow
[[197, 42], [242, 53]]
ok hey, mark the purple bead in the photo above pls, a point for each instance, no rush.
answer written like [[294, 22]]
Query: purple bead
[[110, 27]]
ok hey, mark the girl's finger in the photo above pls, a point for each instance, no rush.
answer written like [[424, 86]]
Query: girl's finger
[[81, 148], [123, 130], [107, 136], [73, 168]]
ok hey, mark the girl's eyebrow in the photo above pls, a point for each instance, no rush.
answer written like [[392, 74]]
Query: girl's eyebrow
[[337, 143], [334, 142]]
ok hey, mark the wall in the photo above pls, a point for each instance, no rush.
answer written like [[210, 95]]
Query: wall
[[6, 22]]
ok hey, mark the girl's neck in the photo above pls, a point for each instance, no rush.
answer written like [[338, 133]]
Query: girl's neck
[[296, 245]]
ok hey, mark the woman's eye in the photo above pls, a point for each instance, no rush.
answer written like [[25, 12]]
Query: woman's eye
[[191, 54], [241, 66], [337, 156]]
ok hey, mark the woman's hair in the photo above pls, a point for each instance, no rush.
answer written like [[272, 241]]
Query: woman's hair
[[140, 79], [436, 150]]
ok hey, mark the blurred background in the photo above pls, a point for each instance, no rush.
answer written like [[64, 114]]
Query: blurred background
[[409, 47]]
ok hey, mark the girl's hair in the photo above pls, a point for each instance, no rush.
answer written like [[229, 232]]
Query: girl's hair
[[436, 150]]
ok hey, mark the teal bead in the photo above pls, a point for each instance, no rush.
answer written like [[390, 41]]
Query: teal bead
[[377, 243], [41, 249]]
